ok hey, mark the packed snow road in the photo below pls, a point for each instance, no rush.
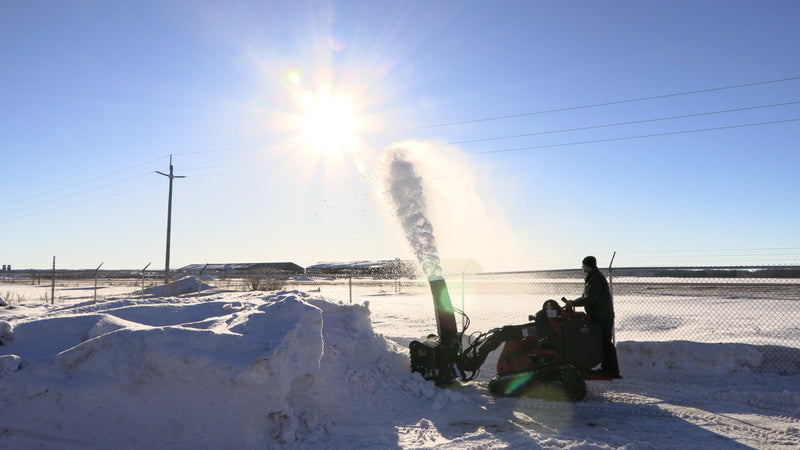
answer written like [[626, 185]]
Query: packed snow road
[[620, 414]]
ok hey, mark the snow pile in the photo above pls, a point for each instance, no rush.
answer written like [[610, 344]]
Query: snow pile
[[185, 285], [692, 359], [239, 370], [684, 358], [294, 370]]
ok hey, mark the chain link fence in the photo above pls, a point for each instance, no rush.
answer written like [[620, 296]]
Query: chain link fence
[[756, 306]]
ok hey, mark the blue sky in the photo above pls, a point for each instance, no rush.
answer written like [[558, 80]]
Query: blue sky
[[97, 95]]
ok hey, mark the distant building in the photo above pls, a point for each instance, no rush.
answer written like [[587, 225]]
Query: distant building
[[244, 269], [393, 267], [389, 267]]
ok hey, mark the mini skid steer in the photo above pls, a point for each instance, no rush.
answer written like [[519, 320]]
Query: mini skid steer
[[549, 357]]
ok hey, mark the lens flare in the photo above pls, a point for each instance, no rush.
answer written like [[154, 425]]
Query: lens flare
[[293, 76], [257, 105], [336, 43], [516, 383]]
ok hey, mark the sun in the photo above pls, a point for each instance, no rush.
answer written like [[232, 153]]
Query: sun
[[328, 124]]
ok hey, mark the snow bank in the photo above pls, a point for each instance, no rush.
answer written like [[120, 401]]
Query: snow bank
[[691, 359], [239, 370], [294, 370], [185, 285]]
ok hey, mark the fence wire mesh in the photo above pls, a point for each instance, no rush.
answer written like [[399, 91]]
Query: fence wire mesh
[[752, 306], [757, 306]]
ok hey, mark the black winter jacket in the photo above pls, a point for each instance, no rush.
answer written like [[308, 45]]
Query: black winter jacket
[[596, 297]]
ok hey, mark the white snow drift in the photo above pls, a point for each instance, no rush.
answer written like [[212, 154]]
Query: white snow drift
[[294, 370]]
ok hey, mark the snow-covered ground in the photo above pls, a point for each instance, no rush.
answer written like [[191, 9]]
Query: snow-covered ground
[[294, 369]]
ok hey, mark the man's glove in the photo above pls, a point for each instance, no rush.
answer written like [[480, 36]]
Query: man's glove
[[566, 302]]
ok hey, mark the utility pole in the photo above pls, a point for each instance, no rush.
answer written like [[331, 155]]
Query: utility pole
[[169, 216]]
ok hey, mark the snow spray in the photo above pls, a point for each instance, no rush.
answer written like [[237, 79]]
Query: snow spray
[[404, 189], [461, 200]]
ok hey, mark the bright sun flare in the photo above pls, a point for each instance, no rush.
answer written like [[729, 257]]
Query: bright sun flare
[[328, 125]]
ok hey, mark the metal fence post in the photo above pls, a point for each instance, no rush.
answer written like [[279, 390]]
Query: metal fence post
[[200, 279], [145, 268], [611, 295], [53, 285], [95, 282], [463, 289]]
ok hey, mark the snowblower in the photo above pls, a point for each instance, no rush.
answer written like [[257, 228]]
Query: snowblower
[[549, 357]]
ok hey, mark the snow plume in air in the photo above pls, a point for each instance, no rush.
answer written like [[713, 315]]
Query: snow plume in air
[[405, 192], [428, 182]]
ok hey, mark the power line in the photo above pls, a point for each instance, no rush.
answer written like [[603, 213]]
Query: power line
[[595, 105], [82, 182], [73, 194], [597, 141], [72, 205], [256, 146], [295, 158], [224, 149], [746, 125], [635, 122], [475, 153]]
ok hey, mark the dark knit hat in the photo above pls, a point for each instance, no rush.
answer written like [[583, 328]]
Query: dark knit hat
[[590, 261]]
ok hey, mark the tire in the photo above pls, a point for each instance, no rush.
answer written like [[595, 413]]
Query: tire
[[562, 383], [574, 385]]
